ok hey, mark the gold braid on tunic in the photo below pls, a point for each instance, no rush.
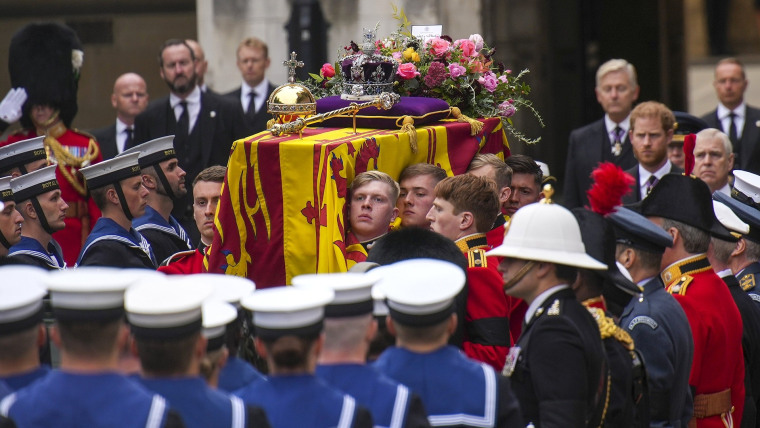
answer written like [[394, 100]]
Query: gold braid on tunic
[[68, 163], [608, 328]]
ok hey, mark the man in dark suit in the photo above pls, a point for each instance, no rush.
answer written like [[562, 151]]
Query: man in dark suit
[[605, 140], [253, 61], [734, 117], [129, 98], [204, 124], [651, 131], [201, 64]]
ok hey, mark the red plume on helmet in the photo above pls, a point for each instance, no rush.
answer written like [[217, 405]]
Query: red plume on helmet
[[689, 141], [611, 183]]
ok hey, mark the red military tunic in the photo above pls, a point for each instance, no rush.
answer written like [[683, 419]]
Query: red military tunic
[[517, 307], [82, 212], [716, 327], [486, 326], [185, 263]]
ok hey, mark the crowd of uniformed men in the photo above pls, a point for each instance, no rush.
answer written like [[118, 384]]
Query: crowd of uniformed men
[[470, 300]]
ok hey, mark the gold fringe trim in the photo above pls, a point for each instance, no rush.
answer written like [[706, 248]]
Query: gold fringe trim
[[608, 328], [270, 123], [408, 127], [475, 126]]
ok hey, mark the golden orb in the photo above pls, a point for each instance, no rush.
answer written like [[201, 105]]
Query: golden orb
[[290, 101]]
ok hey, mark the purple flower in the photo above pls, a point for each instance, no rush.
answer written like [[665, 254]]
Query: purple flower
[[489, 81], [506, 109], [456, 70], [436, 74]]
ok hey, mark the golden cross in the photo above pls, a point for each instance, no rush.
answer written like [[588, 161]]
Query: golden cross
[[292, 63]]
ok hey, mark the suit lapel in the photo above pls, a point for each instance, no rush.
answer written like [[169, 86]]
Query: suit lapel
[[207, 123], [170, 120], [750, 137]]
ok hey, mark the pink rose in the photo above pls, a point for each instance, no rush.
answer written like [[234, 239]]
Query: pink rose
[[439, 47], [503, 78], [477, 39], [489, 81], [506, 109], [456, 70], [327, 70], [407, 71], [467, 47]]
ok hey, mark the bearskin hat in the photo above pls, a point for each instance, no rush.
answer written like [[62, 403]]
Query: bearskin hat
[[45, 59]]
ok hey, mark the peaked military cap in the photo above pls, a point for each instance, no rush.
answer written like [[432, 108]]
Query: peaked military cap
[[635, 230]]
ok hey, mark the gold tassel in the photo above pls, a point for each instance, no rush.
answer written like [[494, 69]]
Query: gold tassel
[[408, 127], [475, 125], [270, 123]]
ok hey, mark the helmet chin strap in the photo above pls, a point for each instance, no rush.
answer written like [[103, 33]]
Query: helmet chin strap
[[4, 241], [519, 275], [41, 215], [123, 201]]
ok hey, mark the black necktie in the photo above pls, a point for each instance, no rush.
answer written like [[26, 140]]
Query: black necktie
[[128, 140], [251, 104], [732, 133], [617, 145], [651, 183], [183, 124]]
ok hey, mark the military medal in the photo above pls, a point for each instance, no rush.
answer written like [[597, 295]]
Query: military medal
[[511, 362], [617, 148]]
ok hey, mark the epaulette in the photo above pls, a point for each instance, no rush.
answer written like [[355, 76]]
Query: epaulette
[[680, 285], [85, 133], [477, 258], [177, 257], [608, 328], [747, 282]]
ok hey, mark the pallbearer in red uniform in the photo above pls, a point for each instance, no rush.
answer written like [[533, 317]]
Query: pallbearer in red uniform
[[45, 59], [683, 207], [463, 211], [207, 188]]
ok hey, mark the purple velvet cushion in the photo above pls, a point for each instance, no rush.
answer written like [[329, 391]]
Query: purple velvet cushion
[[423, 110]]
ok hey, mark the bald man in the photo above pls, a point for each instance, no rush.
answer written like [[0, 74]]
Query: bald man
[[201, 64], [129, 98]]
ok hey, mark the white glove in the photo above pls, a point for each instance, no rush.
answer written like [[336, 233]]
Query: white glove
[[11, 106]]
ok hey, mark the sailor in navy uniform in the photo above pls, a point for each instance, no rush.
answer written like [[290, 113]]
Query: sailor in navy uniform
[[288, 325], [235, 372], [10, 219], [719, 255], [165, 181], [349, 327], [87, 390], [117, 189], [455, 390], [557, 368], [21, 326], [23, 157], [745, 203], [38, 199], [655, 321], [166, 319]]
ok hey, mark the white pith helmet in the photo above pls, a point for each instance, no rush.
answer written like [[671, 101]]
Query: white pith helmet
[[546, 233]]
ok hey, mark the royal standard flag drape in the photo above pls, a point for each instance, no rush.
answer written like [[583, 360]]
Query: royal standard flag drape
[[282, 210]]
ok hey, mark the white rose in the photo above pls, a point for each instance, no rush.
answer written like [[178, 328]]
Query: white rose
[[77, 58], [478, 40]]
